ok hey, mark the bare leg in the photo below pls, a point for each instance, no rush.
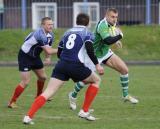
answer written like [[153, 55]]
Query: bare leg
[[41, 75], [25, 78], [52, 87]]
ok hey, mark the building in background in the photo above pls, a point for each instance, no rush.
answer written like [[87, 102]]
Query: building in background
[[28, 13], [1, 13]]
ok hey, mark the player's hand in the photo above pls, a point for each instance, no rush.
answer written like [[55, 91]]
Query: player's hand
[[119, 31], [121, 34], [47, 61], [118, 44], [100, 69]]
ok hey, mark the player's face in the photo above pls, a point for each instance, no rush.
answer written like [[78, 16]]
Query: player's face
[[48, 26], [112, 17]]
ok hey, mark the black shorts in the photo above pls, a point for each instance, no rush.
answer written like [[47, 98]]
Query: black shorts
[[104, 61], [65, 70], [27, 63]]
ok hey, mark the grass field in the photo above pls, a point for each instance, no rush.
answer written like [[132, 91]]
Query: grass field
[[139, 43], [112, 112]]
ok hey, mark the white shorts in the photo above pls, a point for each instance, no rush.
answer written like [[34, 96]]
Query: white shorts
[[88, 63]]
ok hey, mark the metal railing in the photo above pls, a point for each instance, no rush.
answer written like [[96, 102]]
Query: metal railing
[[18, 13]]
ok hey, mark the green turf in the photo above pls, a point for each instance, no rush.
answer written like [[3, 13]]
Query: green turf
[[112, 112], [139, 43]]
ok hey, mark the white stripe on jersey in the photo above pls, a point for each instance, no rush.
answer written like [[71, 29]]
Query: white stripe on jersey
[[82, 53], [77, 29], [28, 44]]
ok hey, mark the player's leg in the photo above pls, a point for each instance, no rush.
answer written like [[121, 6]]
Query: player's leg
[[24, 63], [52, 87], [41, 75], [25, 78], [77, 88], [94, 81], [118, 64], [57, 79], [38, 68], [90, 95], [72, 96], [79, 85]]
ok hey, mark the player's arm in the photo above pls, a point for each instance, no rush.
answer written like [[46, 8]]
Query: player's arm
[[111, 40], [60, 48], [47, 60], [103, 30], [49, 50], [90, 52]]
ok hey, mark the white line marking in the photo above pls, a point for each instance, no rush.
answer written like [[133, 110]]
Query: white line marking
[[106, 97], [76, 117]]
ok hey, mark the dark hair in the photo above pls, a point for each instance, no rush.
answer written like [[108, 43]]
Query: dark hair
[[112, 10], [45, 19], [82, 19]]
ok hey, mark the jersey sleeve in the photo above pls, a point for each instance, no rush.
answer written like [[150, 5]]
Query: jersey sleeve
[[103, 30]]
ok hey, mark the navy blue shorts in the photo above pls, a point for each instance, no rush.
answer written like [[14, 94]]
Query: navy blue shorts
[[27, 63], [65, 70]]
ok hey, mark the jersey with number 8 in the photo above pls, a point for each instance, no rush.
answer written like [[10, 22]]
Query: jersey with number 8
[[73, 44], [71, 41]]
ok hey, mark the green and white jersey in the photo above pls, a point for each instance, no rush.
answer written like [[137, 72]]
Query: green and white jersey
[[102, 31]]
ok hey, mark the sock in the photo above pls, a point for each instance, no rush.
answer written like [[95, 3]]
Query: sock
[[77, 88], [18, 91], [89, 97], [40, 85], [124, 82], [37, 104]]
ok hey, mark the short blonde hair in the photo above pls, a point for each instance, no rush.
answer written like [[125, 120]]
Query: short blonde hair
[[112, 10], [44, 20]]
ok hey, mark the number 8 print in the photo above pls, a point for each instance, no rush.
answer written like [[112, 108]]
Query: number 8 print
[[71, 41]]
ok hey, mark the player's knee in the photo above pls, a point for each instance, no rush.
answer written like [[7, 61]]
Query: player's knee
[[97, 80], [43, 78], [124, 70], [25, 82]]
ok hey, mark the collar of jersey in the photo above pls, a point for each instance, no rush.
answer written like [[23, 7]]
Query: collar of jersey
[[80, 26]]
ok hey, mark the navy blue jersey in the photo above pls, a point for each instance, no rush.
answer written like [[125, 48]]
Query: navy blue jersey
[[73, 44], [35, 40]]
